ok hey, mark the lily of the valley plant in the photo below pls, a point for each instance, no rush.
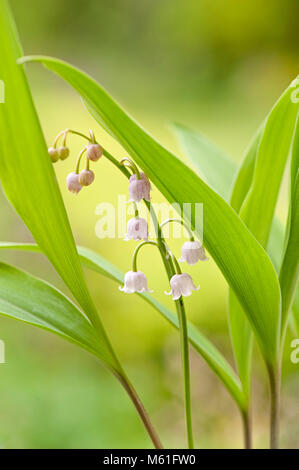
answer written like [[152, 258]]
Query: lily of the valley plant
[[256, 253]]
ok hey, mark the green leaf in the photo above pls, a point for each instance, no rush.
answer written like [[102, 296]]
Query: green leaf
[[203, 346], [258, 209], [244, 175], [28, 179], [296, 310], [30, 300], [288, 276], [244, 263], [289, 272], [214, 165], [273, 151]]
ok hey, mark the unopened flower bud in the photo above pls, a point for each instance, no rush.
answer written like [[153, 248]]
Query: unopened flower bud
[[192, 251], [137, 229], [73, 184], [94, 152], [63, 152], [135, 281], [54, 154], [181, 284], [86, 177], [139, 188]]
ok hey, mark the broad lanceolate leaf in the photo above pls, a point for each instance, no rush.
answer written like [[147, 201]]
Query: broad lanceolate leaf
[[296, 310], [289, 272], [244, 175], [273, 151], [206, 349], [28, 299], [273, 148], [28, 179], [213, 164], [242, 260], [290, 266]]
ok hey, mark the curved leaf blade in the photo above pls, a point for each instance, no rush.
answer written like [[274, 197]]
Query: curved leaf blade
[[267, 155], [201, 344], [33, 301], [289, 272], [24, 155], [215, 166]]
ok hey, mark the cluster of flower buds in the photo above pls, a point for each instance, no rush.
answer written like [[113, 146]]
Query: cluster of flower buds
[[77, 179], [60, 153]]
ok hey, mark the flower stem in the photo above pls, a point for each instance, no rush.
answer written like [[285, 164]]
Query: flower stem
[[183, 223], [186, 368], [170, 270], [247, 429], [79, 159], [141, 411], [184, 341], [275, 383], [147, 242]]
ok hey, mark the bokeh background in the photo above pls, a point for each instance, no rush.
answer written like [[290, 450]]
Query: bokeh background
[[217, 67]]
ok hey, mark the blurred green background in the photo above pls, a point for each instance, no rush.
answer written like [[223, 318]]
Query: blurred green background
[[217, 67]]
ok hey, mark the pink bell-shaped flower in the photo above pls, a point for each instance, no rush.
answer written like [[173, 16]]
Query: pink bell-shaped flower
[[191, 252], [181, 284], [135, 281], [137, 229], [73, 184], [139, 188]]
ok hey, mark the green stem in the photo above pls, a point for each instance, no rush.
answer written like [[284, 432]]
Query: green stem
[[247, 429], [129, 163], [147, 242], [141, 411], [79, 160], [186, 368], [275, 384], [183, 223], [184, 341], [168, 264]]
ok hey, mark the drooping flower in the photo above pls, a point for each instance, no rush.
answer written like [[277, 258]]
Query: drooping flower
[[73, 184], [86, 177], [63, 152], [135, 281], [137, 229], [94, 152], [139, 188], [181, 285], [54, 154], [192, 251]]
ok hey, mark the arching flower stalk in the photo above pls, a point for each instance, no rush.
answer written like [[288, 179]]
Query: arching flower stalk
[[135, 281]]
